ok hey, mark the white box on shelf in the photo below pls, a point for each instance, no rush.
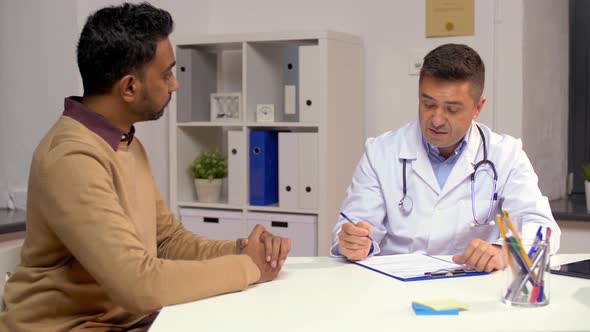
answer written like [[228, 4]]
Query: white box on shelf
[[214, 224], [300, 228], [226, 107]]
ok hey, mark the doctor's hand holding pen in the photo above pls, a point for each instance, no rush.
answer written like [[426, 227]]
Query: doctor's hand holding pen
[[354, 239]]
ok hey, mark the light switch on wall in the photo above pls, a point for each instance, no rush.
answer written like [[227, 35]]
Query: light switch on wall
[[415, 59]]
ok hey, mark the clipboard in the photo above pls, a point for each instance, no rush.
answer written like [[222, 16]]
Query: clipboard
[[415, 267]]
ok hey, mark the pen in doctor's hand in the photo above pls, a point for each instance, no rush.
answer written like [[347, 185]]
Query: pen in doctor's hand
[[352, 222]]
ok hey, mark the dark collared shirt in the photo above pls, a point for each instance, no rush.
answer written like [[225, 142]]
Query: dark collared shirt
[[97, 123]]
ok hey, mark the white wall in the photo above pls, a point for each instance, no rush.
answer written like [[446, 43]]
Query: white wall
[[507, 67], [37, 70], [37, 54], [545, 82]]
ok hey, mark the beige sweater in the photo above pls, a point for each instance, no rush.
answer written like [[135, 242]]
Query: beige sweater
[[102, 249]]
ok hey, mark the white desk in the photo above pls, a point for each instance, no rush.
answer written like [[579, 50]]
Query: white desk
[[327, 294]]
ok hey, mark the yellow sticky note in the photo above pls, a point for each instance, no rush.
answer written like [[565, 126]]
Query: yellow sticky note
[[442, 303]]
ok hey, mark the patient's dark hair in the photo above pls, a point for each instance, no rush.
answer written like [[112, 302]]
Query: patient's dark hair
[[455, 62], [117, 41]]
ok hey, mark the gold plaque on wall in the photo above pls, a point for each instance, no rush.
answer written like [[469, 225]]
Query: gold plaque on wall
[[450, 18]]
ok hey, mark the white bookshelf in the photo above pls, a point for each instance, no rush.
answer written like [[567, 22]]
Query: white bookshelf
[[258, 66]]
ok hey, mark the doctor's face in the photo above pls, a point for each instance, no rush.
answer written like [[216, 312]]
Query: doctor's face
[[446, 109]]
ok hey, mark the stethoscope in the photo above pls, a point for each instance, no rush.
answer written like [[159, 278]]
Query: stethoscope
[[406, 204]]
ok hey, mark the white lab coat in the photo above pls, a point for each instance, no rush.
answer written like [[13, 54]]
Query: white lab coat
[[440, 221]]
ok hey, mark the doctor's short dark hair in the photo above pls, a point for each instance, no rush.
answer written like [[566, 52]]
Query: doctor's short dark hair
[[117, 41], [455, 63]]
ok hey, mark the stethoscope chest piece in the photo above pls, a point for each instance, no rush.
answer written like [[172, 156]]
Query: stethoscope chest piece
[[406, 205], [489, 222]]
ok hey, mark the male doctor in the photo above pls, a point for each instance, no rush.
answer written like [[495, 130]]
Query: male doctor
[[412, 190]]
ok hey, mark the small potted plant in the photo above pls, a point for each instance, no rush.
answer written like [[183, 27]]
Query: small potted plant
[[208, 170], [586, 174]]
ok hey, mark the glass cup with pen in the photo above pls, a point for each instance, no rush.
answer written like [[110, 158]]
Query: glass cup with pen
[[526, 267]]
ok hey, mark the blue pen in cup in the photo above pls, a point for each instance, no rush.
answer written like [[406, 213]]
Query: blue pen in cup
[[352, 222], [538, 239]]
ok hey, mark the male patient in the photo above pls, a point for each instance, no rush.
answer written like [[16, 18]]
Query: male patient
[[102, 251]]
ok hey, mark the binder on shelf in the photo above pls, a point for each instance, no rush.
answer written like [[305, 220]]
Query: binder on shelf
[[288, 172], [236, 152], [264, 162], [196, 75], [308, 171], [309, 83], [291, 81]]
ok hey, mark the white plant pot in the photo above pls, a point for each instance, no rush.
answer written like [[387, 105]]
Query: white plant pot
[[208, 191], [587, 186]]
